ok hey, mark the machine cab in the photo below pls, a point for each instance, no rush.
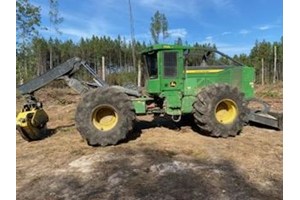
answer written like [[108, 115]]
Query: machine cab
[[164, 69]]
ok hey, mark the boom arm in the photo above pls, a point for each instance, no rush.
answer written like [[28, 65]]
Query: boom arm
[[65, 71], [31, 121]]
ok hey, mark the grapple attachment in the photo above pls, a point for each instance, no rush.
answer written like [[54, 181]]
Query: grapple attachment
[[31, 121]]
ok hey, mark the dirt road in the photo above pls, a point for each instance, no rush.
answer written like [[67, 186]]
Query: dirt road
[[158, 161]]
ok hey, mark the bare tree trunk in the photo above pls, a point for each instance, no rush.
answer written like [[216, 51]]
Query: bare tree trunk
[[139, 73], [281, 71], [21, 81], [39, 67], [120, 57], [51, 57], [262, 72], [132, 36], [99, 68], [40, 63], [275, 65], [44, 67], [103, 68], [97, 64], [125, 61], [26, 69]]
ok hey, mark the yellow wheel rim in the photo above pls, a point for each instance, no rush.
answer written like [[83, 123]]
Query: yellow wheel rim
[[226, 111], [105, 118]]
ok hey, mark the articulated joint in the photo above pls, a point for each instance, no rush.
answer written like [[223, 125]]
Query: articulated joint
[[31, 103]]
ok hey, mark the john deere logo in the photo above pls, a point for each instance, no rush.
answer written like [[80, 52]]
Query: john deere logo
[[172, 84]]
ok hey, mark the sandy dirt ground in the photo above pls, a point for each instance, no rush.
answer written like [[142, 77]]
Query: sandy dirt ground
[[159, 160]]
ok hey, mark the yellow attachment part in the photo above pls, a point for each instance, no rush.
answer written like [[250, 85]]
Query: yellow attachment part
[[32, 123], [203, 71], [36, 117], [226, 111], [105, 118]]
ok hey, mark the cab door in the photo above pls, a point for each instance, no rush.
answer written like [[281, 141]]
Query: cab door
[[172, 68]]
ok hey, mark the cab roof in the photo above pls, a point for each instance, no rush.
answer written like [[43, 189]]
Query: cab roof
[[156, 47]]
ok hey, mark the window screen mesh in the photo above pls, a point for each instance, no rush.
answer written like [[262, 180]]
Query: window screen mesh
[[170, 64]]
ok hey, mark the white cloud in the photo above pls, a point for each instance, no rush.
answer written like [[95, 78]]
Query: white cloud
[[266, 27], [224, 5], [209, 38], [84, 28], [244, 32], [190, 7], [68, 32], [226, 33], [170, 6], [76, 32], [179, 32]]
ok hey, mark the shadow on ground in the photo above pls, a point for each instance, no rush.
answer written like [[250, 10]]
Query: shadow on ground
[[140, 125], [56, 129], [45, 133], [146, 174], [164, 122]]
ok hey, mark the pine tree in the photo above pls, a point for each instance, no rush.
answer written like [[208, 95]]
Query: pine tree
[[159, 25], [28, 20]]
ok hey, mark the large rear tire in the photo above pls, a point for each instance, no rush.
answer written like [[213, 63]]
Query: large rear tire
[[220, 110], [104, 116]]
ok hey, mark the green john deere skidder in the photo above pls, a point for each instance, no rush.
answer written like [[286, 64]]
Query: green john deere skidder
[[179, 80]]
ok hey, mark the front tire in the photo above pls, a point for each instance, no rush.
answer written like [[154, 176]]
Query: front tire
[[220, 110], [104, 116]]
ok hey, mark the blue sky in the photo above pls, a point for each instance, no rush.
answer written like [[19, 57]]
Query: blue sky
[[233, 25]]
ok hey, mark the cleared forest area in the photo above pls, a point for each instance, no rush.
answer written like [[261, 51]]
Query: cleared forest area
[[158, 161]]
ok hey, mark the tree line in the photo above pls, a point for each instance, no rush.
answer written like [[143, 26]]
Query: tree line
[[35, 55], [267, 59], [117, 53]]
